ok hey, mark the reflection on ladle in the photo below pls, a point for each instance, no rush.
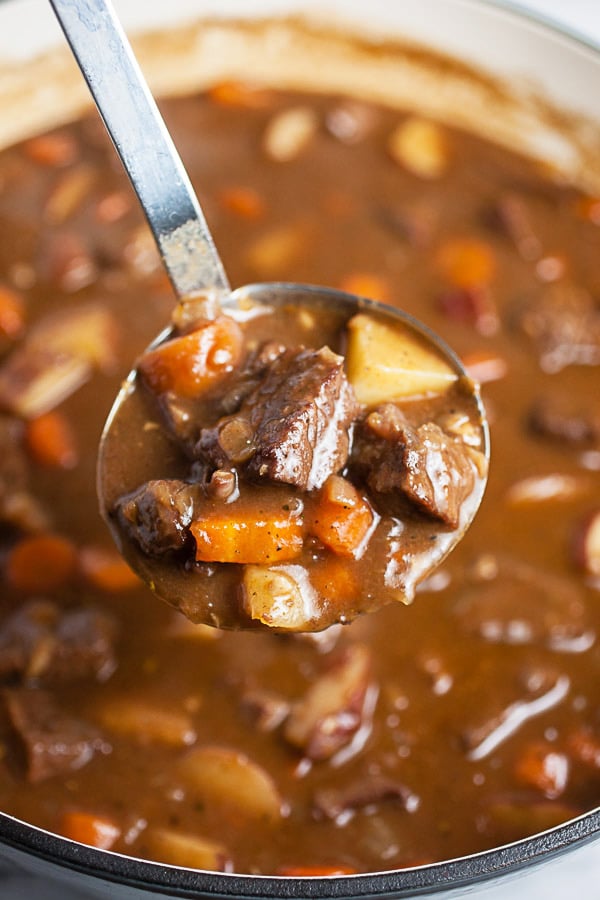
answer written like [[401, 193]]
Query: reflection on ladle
[[284, 455]]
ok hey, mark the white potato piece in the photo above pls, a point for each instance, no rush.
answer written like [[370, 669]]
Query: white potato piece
[[178, 849], [278, 596], [388, 362], [146, 723], [231, 780]]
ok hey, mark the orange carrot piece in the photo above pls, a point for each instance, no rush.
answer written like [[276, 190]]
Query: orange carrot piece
[[238, 93], [466, 262], [367, 284], [12, 320], [244, 202], [56, 150], [322, 871], [341, 518], [41, 562], [106, 569], [589, 208], [245, 536], [89, 828], [195, 362], [334, 579], [51, 441]]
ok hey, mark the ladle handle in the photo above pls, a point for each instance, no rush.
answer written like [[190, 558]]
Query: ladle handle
[[141, 139]]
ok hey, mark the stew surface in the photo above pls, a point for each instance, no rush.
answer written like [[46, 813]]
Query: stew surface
[[419, 733]]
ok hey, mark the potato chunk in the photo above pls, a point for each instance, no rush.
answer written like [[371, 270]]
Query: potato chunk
[[278, 596], [178, 849], [229, 779], [387, 363]]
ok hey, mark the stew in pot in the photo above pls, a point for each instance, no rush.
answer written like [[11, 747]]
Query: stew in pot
[[419, 733]]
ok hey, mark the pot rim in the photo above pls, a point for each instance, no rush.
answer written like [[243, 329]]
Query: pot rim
[[440, 876]]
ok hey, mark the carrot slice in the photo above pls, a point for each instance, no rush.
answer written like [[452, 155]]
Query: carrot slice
[[466, 262], [89, 828], [367, 284], [12, 321], [247, 536], [51, 441], [238, 93], [52, 150], [334, 579], [195, 362], [106, 569], [244, 202], [341, 518], [41, 562]]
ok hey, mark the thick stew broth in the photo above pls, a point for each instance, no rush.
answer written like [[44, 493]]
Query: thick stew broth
[[419, 733]]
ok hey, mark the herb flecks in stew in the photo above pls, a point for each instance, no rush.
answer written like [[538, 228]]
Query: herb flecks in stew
[[296, 457], [465, 720]]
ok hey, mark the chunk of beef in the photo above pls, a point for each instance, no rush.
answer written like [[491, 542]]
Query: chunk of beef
[[54, 743], [294, 427], [334, 707], [569, 419], [432, 470], [264, 710], [18, 507], [563, 321], [331, 803], [42, 642], [158, 514], [513, 216]]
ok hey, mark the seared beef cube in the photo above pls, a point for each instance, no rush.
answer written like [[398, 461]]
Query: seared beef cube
[[158, 514], [331, 803], [42, 642], [17, 505], [54, 742], [425, 466], [294, 427], [566, 418], [563, 321]]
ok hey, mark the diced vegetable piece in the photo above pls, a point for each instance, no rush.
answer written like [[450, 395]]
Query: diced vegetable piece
[[274, 252], [556, 487], [485, 366], [56, 150], [331, 711], [244, 202], [289, 132], [231, 780], [247, 535], [541, 767], [280, 597], [584, 746], [586, 544], [41, 563], [132, 717], [51, 441], [12, 320], [89, 828], [367, 284], [188, 850], [238, 93], [193, 363], [386, 362], [106, 569], [177, 849], [88, 332], [341, 518], [69, 193], [421, 147], [466, 262]]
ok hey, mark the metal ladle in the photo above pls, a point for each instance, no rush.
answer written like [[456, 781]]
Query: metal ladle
[[186, 246]]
